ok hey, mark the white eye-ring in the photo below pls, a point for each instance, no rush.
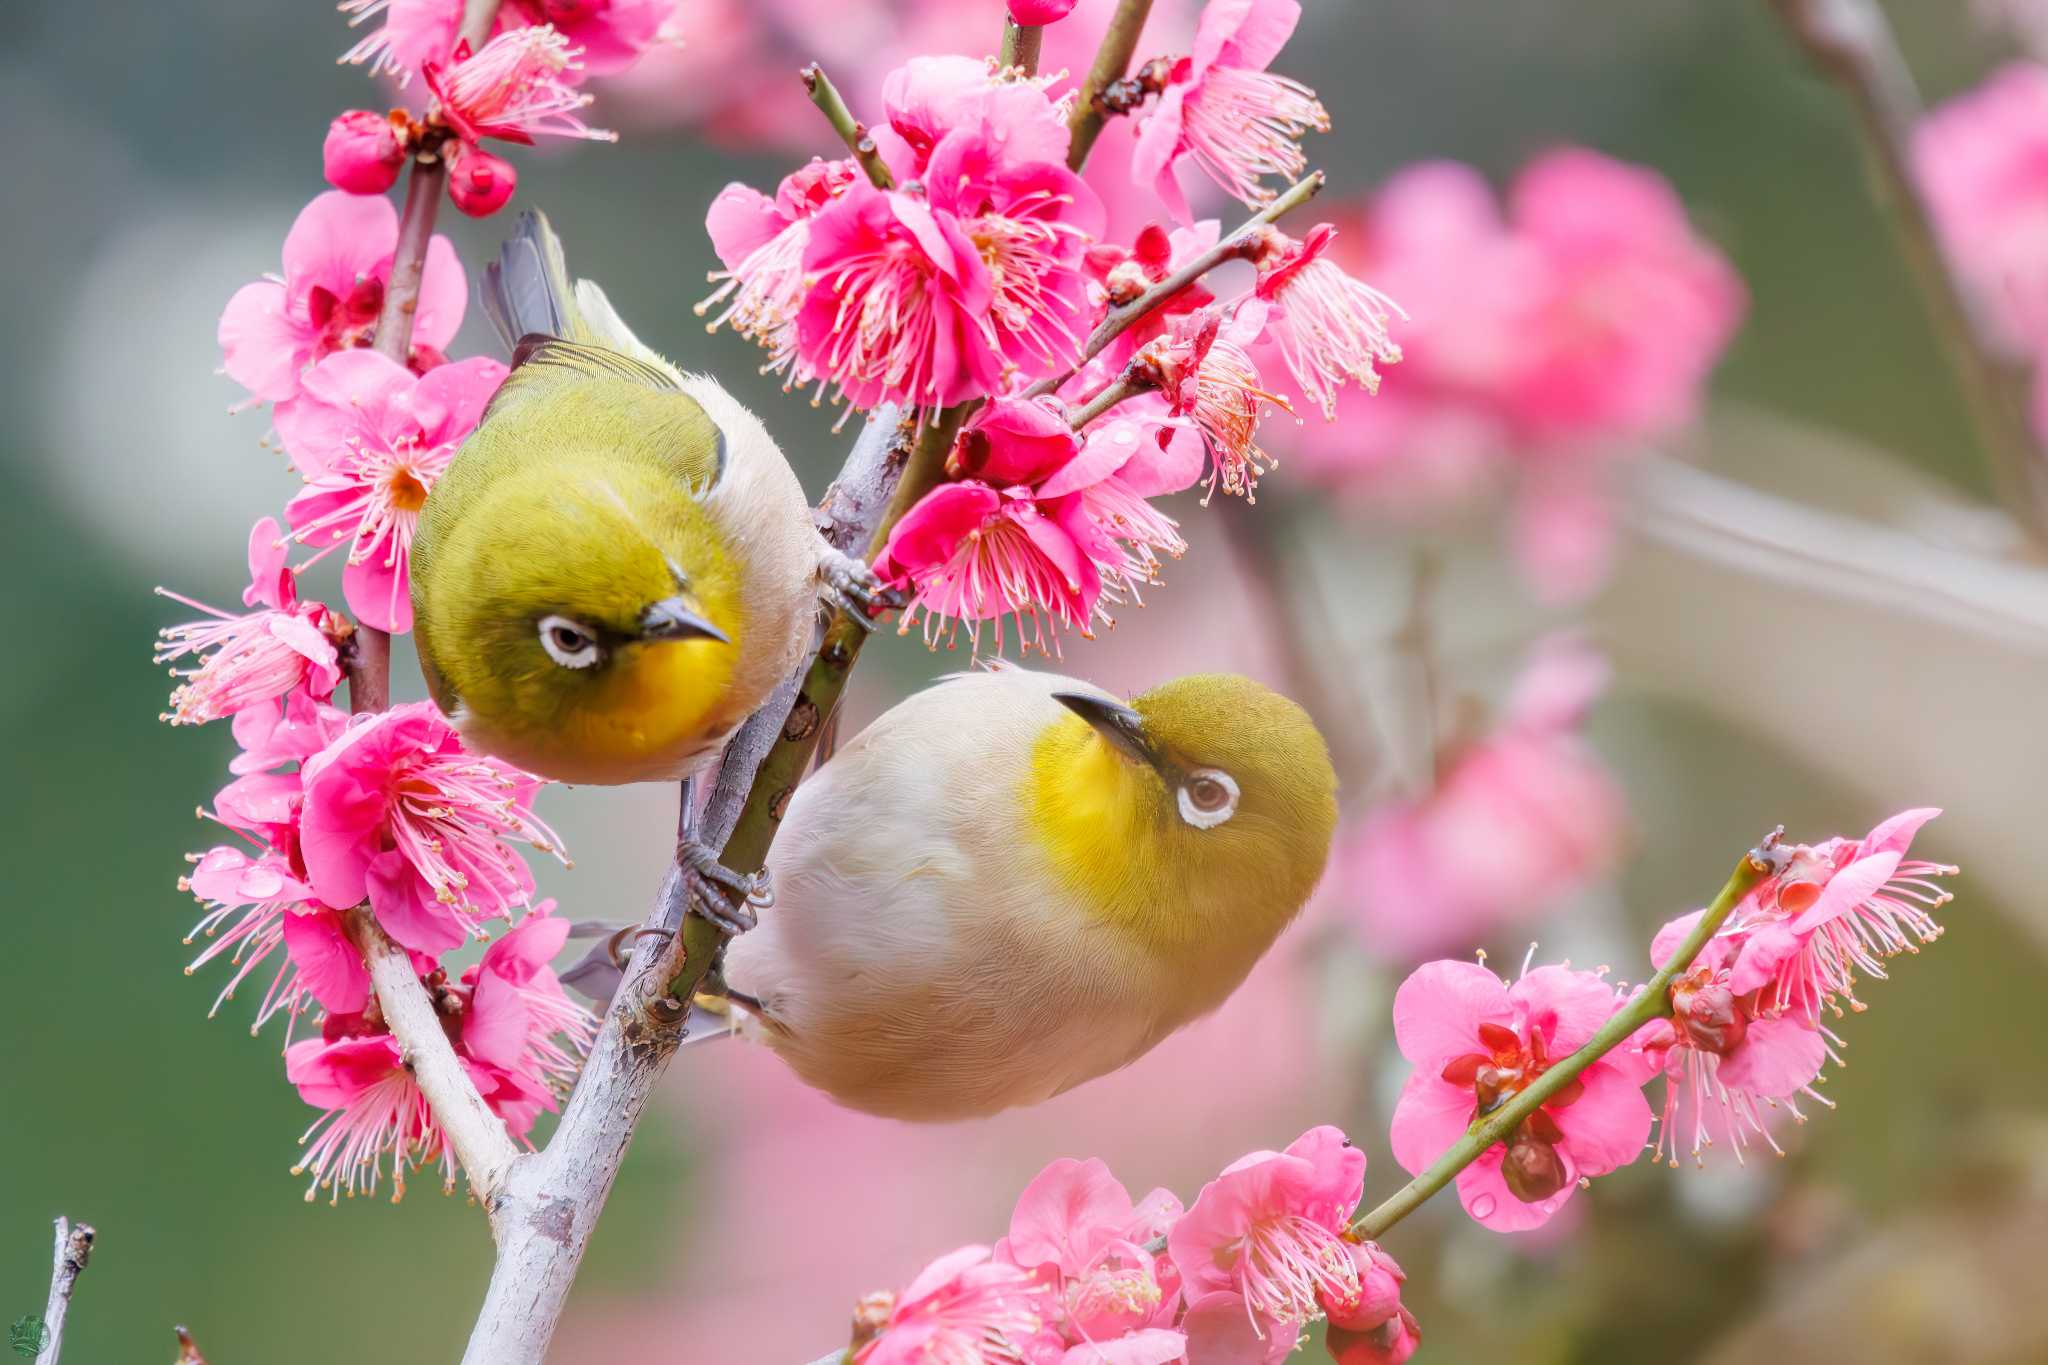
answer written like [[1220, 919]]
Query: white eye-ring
[[569, 643], [1208, 797]]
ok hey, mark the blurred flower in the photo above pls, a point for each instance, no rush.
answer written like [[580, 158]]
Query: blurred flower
[[962, 1307], [397, 811], [1224, 111], [256, 657], [1271, 1229], [1543, 348], [611, 34], [1075, 1225], [1982, 159], [1328, 326], [337, 258], [371, 440], [1475, 1043], [1515, 822], [364, 152]]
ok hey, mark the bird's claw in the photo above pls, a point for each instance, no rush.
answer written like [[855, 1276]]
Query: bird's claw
[[729, 900], [851, 586]]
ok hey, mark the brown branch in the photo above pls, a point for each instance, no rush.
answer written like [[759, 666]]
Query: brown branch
[[1112, 59], [1021, 45], [1852, 42], [74, 1250], [851, 130], [188, 1349]]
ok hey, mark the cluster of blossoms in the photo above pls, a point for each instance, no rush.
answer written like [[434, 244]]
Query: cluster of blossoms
[[383, 810], [1550, 343], [1086, 1276], [1515, 821], [1979, 160], [964, 266], [1742, 1034], [523, 82]]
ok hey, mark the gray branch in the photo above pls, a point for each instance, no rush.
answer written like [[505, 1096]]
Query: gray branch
[[74, 1249]]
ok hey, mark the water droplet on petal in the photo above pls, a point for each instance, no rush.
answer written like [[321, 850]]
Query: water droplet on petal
[[1483, 1206]]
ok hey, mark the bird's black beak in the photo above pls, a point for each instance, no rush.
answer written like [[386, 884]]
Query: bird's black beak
[[1115, 722], [672, 619]]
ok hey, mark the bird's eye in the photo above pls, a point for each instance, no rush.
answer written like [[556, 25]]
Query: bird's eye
[[569, 643], [1208, 797]]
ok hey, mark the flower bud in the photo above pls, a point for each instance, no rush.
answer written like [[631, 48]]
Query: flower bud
[[1389, 1343], [363, 153], [1532, 1168], [480, 182], [1040, 11], [1709, 1016], [1379, 1290]]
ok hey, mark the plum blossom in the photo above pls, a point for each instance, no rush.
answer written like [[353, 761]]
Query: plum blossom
[[963, 1307], [1221, 109], [1475, 1042], [1123, 273], [1372, 1328], [1075, 1225], [1516, 821], [612, 34], [337, 258], [371, 441], [364, 151], [1328, 327], [760, 241], [516, 87], [1202, 368], [1270, 1229], [283, 647], [396, 811], [928, 98]]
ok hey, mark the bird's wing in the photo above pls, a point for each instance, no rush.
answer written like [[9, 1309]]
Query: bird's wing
[[526, 291]]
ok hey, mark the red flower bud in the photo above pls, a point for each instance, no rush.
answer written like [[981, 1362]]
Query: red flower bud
[[363, 153], [480, 182]]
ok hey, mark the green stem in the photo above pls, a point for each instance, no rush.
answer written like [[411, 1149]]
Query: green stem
[[1112, 59], [1126, 385], [1021, 46], [851, 131], [1228, 248], [1852, 42], [1653, 1002], [817, 697]]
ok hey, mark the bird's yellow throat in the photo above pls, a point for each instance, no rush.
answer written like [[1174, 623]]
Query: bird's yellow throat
[[653, 700]]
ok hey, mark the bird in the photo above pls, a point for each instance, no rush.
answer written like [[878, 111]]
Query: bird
[[618, 565], [1012, 882]]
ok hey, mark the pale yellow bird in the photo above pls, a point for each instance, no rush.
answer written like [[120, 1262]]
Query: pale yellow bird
[[1012, 882]]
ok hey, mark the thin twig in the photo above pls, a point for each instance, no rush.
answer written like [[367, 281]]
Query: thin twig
[[1112, 59], [851, 130], [1652, 1002], [1133, 381], [1227, 248], [74, 1250], [475, 1134], [188, 1349], [1852, 42], [1021, 46]]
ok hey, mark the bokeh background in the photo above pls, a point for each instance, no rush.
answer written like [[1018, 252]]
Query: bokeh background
[[155, 155]]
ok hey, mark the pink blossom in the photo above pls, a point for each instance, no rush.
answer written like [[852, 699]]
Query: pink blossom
[[1014, 441], [414, 32], [962, 1307], [1124, 274], [1221, 1330], [928, 98], [968, 552], [612, 34], [1475, 1042], [518, 86], [1127, 457], [761, 243], [1982, 160], [1271, 1229], [284, 647], [364, 152], [1516, 821], [1224, 111], [249, 902], [371, 1108], [1328, 326], [1207, 376], [1076, 1226], [397, 812], [1040, 11], [897, 305], [371, 441], [337, 258]]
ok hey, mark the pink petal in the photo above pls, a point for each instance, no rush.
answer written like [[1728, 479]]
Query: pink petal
[[740, 221], [444, 295], [450, 399], [262, 347], [1146, 1346], [336, 241], [1671, 937], [1565, 1007], [1430, 1116], [1763, 952], [1060, 1210], [1485, 1194], [328, 964], [496, 1024], [1606, 1126], [1778, 1058], [379, 593], [1220, 1331], [1848, 889], [1896, 834], [405, 905], [1438, 1010], [269, 582], [1247, 34]]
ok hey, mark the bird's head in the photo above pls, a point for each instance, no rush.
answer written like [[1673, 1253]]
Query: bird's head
[[1199, 815], [582, 624]]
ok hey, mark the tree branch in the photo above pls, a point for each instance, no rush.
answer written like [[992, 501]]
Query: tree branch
[[74, 1250], [851, 130], [475, 1134], [1652, 1002], [1852, 43], [188, 1349], [1227, 248], [1021, 45], [1112, 59]]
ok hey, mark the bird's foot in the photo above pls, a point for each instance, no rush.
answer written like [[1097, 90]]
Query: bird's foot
[[729, 900], [851, 586]]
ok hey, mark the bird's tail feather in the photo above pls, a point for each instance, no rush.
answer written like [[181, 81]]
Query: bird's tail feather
[[527, 290]]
